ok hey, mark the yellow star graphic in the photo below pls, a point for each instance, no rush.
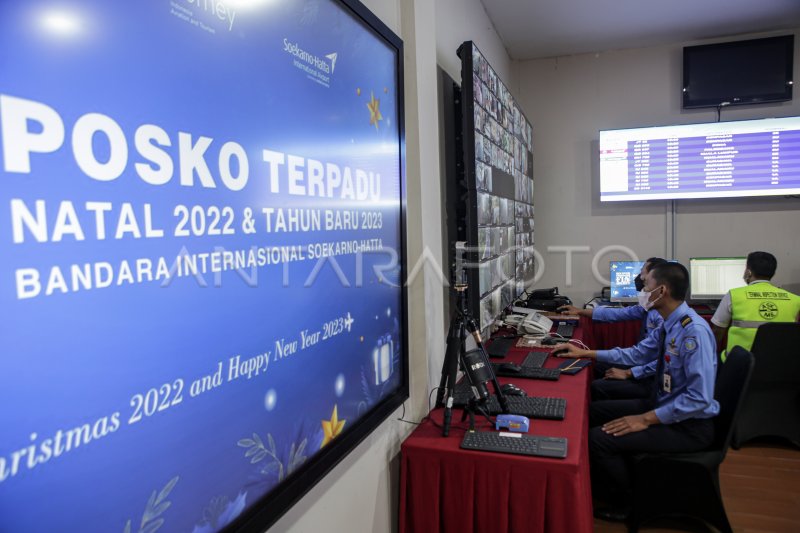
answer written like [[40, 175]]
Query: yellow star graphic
[[332, 427], [374, 110]]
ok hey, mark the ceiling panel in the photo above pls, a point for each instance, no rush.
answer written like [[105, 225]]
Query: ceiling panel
[[545, 28]]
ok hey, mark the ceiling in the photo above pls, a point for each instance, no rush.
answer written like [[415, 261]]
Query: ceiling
[[546, 28]]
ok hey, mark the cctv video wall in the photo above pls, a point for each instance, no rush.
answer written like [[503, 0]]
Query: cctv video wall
[[499, 168], [202, 233]]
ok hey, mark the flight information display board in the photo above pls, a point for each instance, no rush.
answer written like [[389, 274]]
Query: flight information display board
[[716, 160]]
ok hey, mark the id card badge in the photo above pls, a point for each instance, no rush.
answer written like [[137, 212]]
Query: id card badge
[[667, 384]]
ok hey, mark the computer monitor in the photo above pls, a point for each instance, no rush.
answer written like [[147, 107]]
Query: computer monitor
[[712, 277], [622, 274]]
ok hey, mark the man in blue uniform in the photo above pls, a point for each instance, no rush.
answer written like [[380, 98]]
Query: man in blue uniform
[[631, 378], [677, 417]]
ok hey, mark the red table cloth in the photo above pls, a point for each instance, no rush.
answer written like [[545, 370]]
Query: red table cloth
[[444, 488], [607, 335]]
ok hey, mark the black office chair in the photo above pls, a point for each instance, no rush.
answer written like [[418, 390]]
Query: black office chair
[[772, 405], [687, 484]]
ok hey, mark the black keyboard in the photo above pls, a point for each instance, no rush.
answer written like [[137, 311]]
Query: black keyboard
[[499, 346], [535, 359], [517, 443], [565, 330], [541, 407], [528, 372]]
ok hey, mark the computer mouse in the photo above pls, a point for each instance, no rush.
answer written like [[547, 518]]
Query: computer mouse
[[558, 352], [512, 390], [509, 367], [549, 341]]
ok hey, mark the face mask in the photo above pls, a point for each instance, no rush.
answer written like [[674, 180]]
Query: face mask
[[644, 299], [639, 282]]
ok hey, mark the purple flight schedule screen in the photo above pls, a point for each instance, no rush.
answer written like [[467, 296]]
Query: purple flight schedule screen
[[715, 160]]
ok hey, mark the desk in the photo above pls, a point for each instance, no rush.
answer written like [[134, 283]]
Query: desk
[[444, 488], [607, 335]]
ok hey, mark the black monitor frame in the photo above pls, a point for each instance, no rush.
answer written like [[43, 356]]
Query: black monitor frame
[[787, 41], [272, 506]]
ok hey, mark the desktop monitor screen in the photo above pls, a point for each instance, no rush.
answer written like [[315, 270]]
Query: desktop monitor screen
[[202, 242], [712, 277], [622, 275]]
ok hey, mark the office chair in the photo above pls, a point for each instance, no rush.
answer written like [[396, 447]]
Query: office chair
[[687, 484], [772, 405]]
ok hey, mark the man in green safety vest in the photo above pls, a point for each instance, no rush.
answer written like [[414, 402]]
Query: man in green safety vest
[[744, 309]]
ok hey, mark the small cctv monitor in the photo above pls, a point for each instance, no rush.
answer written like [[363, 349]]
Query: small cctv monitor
[[622, 275], [712, 277]]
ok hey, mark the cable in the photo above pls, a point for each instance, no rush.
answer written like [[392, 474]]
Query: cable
[[430, 397], [522, 299], [403, 417], [452, 426], [422, 420], [719, 110], [579, 343], [590, 301]]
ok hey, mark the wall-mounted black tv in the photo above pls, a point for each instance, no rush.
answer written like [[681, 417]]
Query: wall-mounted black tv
[[498, 169], [202, 239], [754, 71]]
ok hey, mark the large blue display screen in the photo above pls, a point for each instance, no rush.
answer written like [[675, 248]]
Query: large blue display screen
[[201, 233]]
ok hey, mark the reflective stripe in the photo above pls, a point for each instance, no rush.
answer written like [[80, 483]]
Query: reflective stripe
[[747, 323]]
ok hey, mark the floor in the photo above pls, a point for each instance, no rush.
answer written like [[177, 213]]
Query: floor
[[760, 486]]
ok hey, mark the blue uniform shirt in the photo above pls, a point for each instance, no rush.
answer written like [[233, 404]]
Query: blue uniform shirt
[[644, 353], [643, 371], [618, 314], [691, 362]]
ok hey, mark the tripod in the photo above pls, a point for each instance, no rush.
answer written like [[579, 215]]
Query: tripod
[[478, 371]]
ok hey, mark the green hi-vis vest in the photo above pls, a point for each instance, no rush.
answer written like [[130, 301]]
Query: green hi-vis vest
[[757, 304]]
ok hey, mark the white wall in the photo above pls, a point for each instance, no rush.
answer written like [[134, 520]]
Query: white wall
[[458, 21], [568, 100], [361, 493], [466, 20]]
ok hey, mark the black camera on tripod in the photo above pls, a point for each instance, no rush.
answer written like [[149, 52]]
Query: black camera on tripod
[[474, 363], [458, 270]]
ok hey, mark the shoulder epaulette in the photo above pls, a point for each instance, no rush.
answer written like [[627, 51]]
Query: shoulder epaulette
[[685, 321]]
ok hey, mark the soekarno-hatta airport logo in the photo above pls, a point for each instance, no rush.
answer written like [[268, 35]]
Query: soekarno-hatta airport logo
[[318, 69]]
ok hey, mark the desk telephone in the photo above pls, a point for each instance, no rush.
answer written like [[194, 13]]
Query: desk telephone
[[531, 322]]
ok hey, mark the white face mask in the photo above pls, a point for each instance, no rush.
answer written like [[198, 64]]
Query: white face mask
[[644, 299]]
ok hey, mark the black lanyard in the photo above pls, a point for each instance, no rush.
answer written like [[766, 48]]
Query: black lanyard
[[660, 367]]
